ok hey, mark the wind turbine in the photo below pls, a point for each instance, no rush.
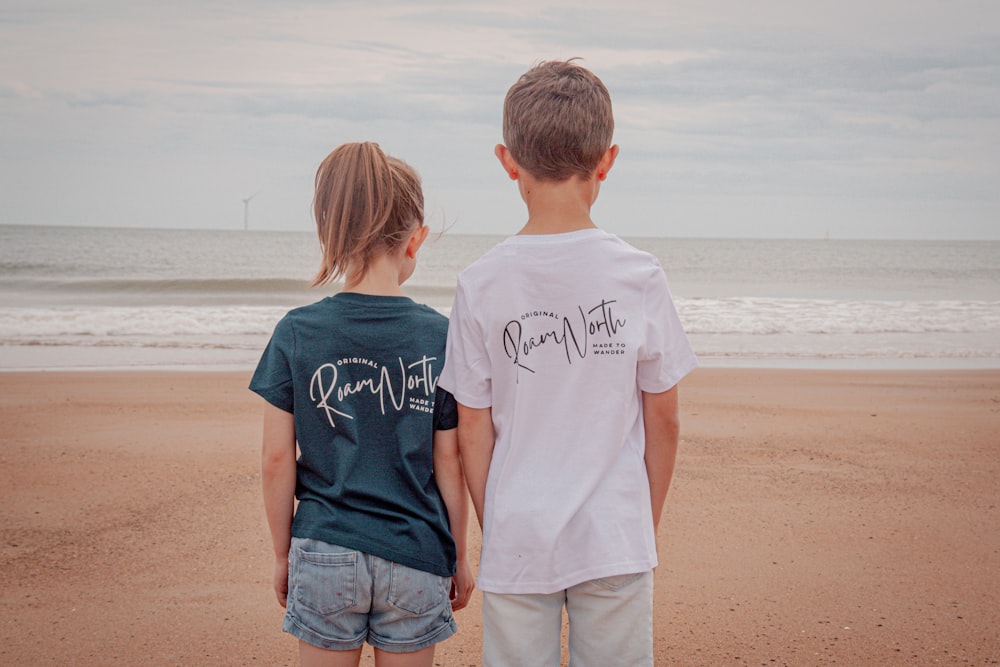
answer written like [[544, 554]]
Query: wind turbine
[[246, 211]]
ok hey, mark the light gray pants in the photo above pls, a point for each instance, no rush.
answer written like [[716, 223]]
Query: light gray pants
[[610, 623]]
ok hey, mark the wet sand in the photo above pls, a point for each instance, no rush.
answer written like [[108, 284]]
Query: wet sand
[[817, 517]]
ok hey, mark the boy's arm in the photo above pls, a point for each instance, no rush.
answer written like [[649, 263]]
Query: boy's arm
[[475, 442], [278, 480], [662, 425], [451, 483]]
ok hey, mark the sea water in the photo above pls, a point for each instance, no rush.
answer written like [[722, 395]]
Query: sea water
[[139, 298]]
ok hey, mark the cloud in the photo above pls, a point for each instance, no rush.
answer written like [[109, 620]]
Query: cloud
[[715, 100]]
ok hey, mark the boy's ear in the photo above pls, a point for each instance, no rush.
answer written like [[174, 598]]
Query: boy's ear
[[416, 240], [506, 161], [607, 161]]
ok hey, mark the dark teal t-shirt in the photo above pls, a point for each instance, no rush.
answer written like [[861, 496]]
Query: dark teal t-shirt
[[359, 373]]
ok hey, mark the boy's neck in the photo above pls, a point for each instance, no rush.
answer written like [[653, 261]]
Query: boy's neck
[[557, 207]]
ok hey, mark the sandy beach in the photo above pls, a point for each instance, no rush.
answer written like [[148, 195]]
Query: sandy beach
[[817, 517]]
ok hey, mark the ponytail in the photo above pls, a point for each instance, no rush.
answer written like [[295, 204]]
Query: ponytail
[[366, 203]]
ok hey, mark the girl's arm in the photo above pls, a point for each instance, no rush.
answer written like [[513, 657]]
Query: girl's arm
[[451, 483], [278, 479]]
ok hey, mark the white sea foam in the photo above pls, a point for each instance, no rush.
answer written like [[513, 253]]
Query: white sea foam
[[129, 326], [76, 297], [759, 316], [746, 328]]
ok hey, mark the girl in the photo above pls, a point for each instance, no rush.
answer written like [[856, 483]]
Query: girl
[[375, 550]]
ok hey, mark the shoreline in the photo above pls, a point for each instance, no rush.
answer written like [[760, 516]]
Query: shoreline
[[816, 517], [53, 359], [803, 365]]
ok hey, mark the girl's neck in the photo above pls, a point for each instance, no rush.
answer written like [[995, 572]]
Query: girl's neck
[[381, 278]]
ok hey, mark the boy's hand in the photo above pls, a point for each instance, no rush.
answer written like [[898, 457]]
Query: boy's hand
[[281, 580], [462, 585]]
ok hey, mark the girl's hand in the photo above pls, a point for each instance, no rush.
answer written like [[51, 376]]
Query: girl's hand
[[281, 580], [462, 585]]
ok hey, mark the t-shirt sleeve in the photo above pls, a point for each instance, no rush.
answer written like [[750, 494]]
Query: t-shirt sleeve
[[445, 410], [273, 378], [467, 373], [665, 355]]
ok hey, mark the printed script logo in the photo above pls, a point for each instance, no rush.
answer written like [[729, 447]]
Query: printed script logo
[[574, 336], [413, 385]]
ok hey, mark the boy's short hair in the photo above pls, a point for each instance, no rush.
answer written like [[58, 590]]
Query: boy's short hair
[[557, 121]]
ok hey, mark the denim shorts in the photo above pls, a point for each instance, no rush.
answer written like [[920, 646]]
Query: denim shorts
[[339, 598]]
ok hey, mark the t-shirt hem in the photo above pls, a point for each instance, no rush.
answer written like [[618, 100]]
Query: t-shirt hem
[[465, 399], [671, 380], [379, 550], [563, 583], [275, 398], [473, 403]]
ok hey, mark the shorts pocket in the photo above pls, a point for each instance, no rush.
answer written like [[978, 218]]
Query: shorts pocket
[[617, 582], [326, 583], [416, 591]]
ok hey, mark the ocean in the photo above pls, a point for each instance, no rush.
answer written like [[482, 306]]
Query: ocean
[[86, 298]]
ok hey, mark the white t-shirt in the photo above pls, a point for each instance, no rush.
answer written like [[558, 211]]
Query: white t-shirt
[[560, 335]]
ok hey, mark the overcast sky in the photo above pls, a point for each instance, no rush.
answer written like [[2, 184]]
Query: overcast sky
[[768, 118]]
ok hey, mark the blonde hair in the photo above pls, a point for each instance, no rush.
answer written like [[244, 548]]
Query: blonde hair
[[557, 121], [366, 204]]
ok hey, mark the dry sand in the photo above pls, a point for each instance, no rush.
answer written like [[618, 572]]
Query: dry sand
[[816, 518]]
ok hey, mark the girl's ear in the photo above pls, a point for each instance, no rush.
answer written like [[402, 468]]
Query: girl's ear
[[417, 239]]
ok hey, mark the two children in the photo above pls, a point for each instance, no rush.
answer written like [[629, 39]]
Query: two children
[[564, 353]]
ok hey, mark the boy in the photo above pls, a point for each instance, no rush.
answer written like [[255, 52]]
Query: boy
[[564, 352]]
